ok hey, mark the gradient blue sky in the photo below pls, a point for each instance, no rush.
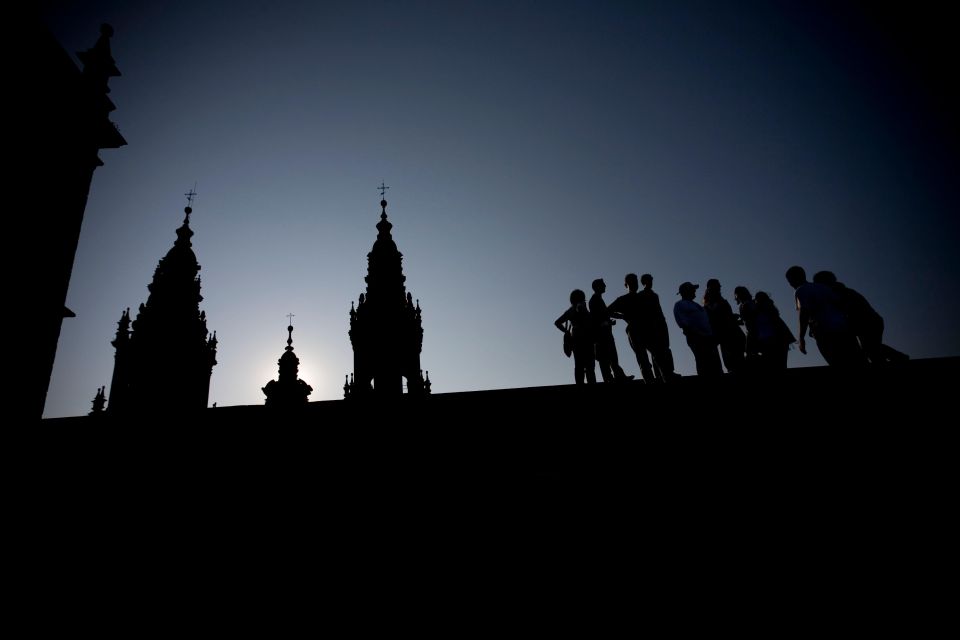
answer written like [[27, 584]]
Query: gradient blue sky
[[530, 147]]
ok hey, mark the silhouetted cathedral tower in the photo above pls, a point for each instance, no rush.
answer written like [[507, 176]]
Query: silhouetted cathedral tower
[[287, 391], [165, 363], [385, 327]]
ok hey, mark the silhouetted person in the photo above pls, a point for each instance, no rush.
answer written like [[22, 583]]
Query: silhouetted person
[[695, 323], [642, 329], [866, 322], [603, 326], [726, 327], [653, 335], [775, 336], [747, 308], [583, 340], [819, 309], [768, 336]]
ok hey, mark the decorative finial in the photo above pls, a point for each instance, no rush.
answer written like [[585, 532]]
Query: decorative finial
[[98, 402], [290, 317], [190, 196], [383, 200]]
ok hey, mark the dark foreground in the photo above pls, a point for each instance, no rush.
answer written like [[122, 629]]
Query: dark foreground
[[812, 501], [811, 434]]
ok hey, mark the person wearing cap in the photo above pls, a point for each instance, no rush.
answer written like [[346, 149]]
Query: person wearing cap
[[693, 320]]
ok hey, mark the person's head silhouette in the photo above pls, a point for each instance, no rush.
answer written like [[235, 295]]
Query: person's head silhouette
[[741, 295], [688, 290], [796, 276]]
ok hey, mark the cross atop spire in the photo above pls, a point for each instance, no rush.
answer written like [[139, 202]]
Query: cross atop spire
[[383, 190], [290, 317], [190, 196]]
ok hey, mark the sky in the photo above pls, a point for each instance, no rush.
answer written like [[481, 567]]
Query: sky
[[529, 148]]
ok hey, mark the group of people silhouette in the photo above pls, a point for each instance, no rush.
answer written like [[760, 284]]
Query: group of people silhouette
[[847, 330], [592, 330]]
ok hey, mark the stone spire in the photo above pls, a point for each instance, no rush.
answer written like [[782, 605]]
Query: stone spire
[[287, 391], [166, 363], [121, 361], [385, 326]]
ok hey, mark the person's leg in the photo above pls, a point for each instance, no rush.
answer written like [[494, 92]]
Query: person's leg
[[636, 343]]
